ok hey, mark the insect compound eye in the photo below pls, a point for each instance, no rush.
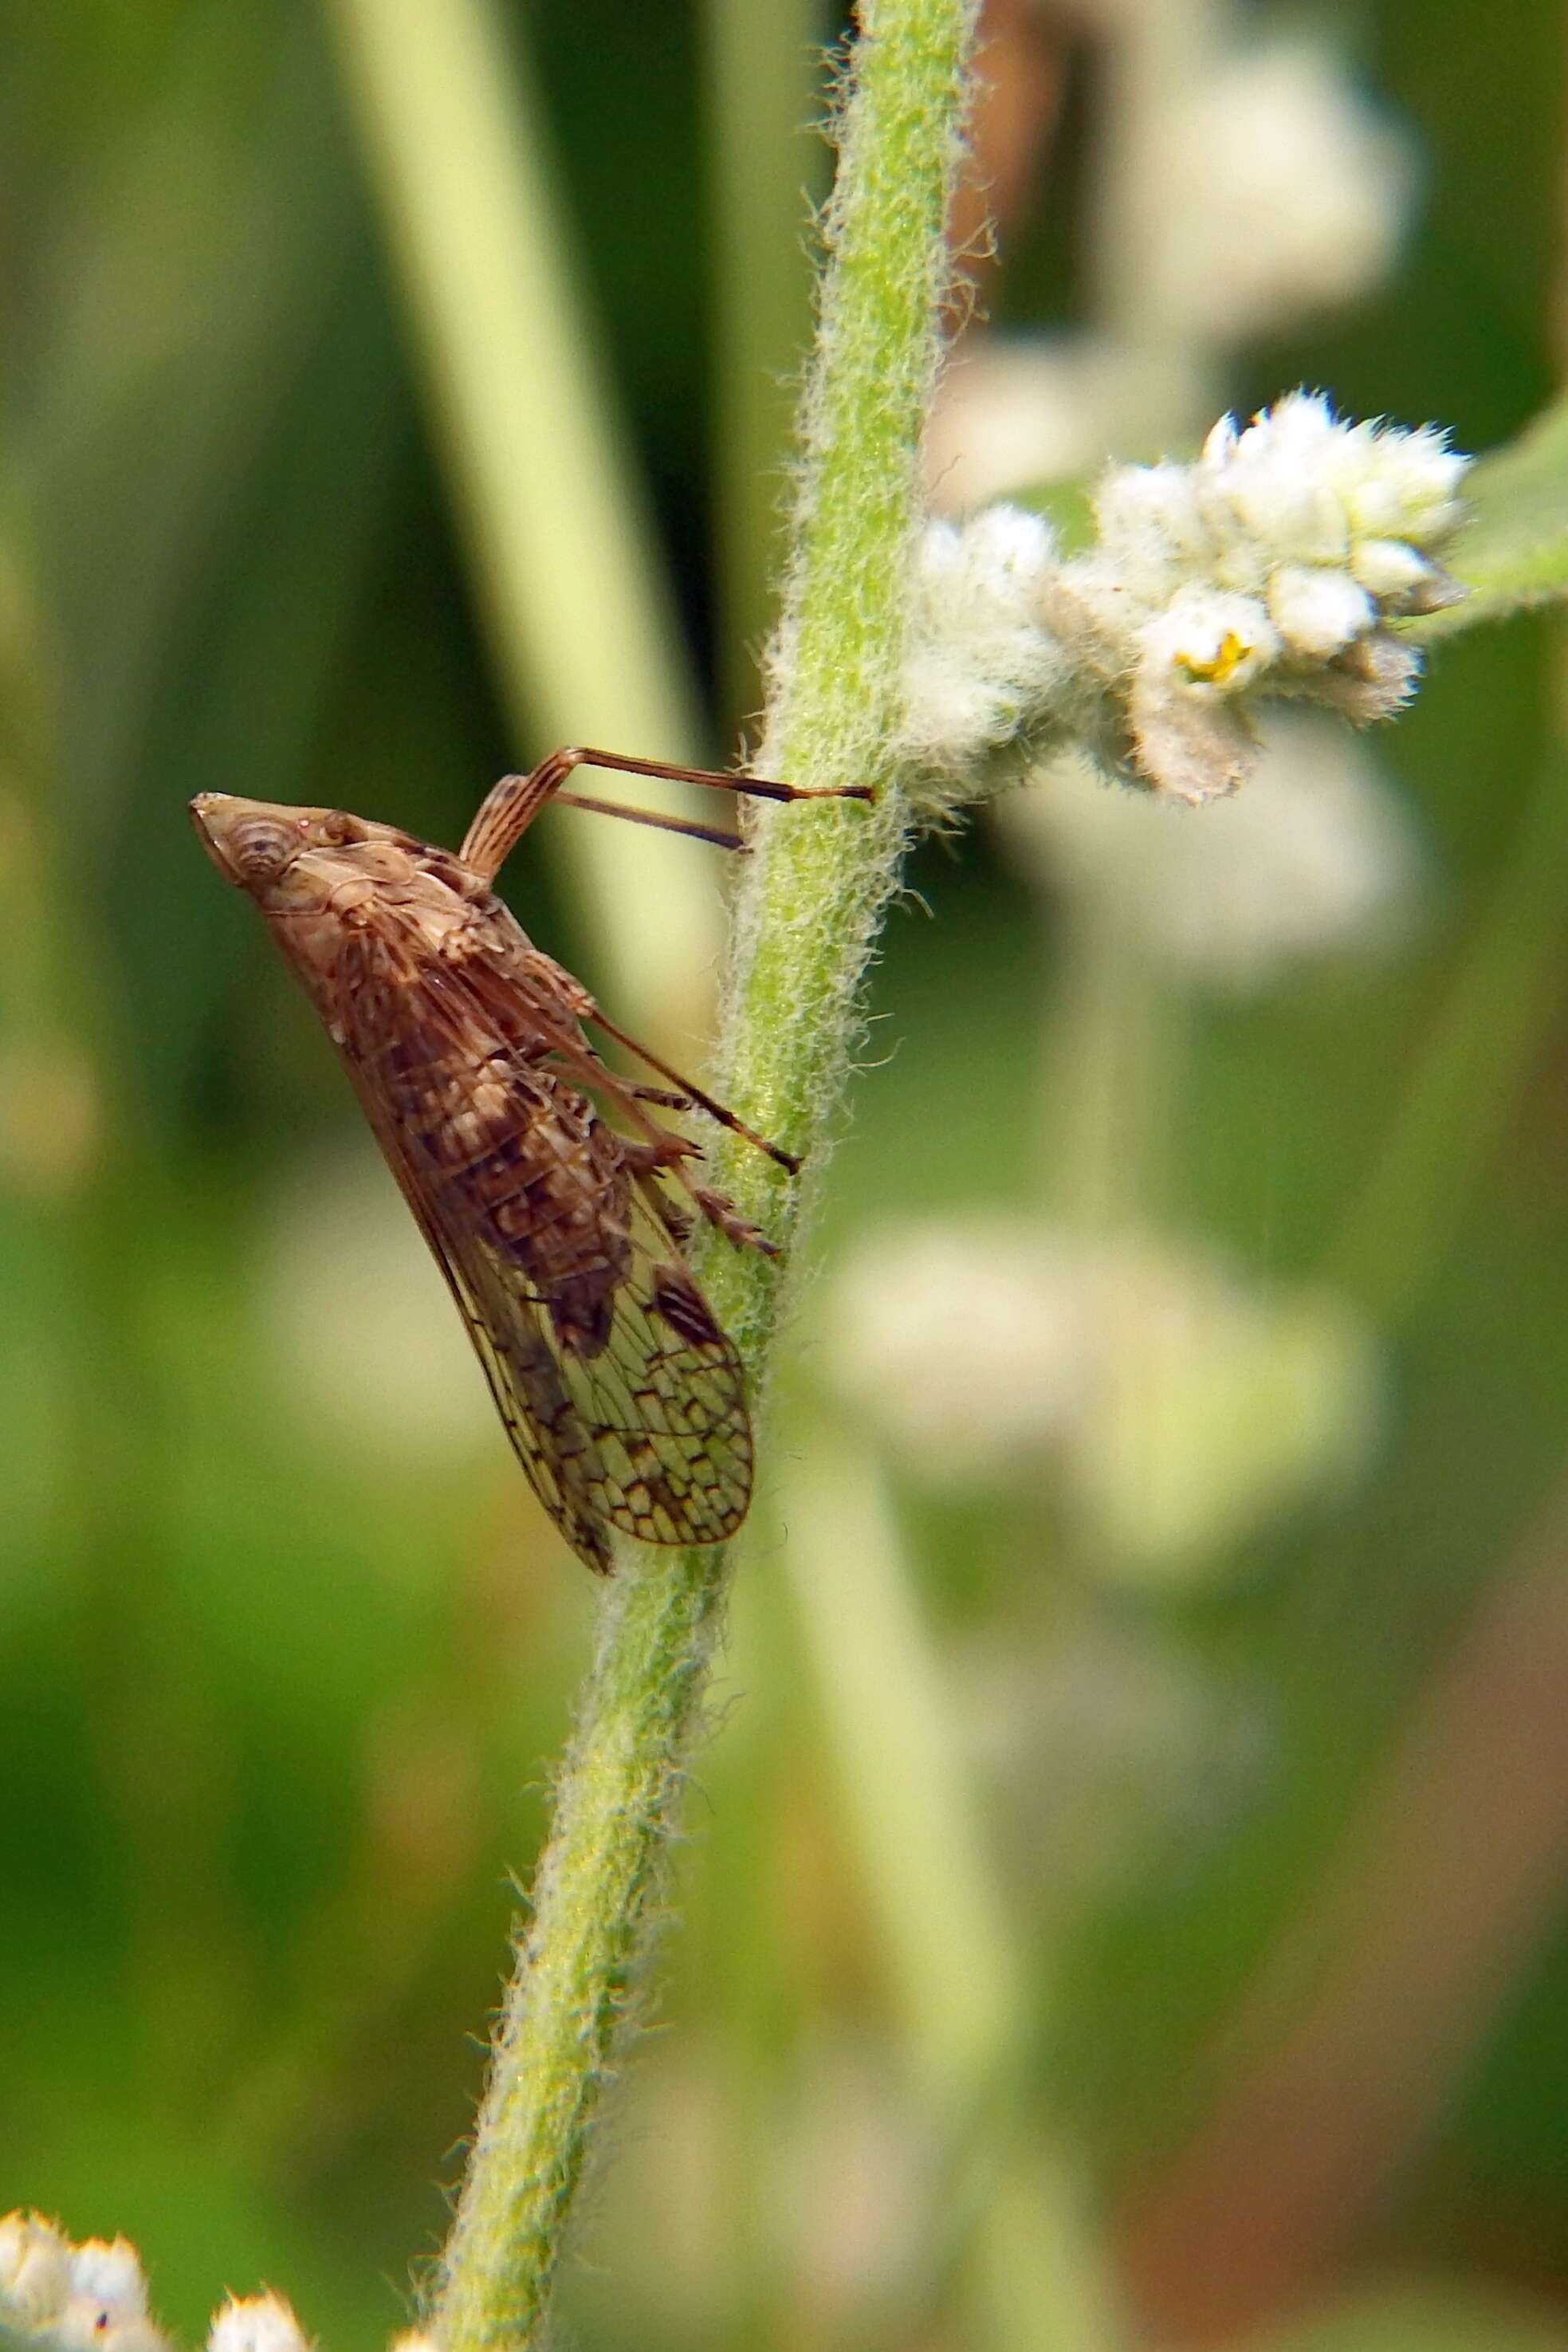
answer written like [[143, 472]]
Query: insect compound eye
[[262, 850], [338, 827]]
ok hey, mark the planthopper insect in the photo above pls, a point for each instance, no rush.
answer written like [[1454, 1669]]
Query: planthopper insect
[[560, 1235]]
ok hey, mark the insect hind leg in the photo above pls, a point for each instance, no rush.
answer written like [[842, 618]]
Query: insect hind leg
[[716, 1207], [720, 1211]]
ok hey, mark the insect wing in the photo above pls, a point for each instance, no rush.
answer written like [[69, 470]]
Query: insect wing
[[649, 1433]]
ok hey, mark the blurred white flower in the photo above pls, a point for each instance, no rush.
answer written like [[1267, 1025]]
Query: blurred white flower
[[1283, 190], [941, 1333], [1087, 1738], [34, 2271], [1180, 1406], [110, 2276], [107, 2306], [1217, 1406], [256, 2323], [1014, 411], [1270, 567], [86, 2298], [1318, 855], [854, 2170], [66, 2298]]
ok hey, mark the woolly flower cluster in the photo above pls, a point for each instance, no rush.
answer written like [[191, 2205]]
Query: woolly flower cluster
[[1272, 566], [93, 2298]]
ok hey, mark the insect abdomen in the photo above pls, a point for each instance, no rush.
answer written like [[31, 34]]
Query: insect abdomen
[[537, 1175]]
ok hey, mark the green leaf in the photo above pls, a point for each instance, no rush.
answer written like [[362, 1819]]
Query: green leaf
[[1512, 553]]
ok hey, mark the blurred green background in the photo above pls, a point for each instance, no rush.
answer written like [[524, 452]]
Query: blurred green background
[[1127, 1872]]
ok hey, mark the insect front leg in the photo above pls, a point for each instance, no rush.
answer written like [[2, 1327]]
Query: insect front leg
[[511, 807], [695, 1094]]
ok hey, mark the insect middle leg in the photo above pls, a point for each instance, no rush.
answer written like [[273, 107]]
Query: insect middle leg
[[665, 1096], [569, 990], [694, 1095]]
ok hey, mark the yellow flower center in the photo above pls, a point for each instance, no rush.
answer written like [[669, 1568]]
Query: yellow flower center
[[1215, 668]]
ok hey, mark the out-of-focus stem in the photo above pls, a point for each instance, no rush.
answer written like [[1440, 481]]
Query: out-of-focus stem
[[762, 92], [1465, 1077], [580, 620], [1011, 2220], [944, 1938], [1116, 1048]]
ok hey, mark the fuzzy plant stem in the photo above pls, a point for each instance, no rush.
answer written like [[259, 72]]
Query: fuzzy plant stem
[[815, 892]]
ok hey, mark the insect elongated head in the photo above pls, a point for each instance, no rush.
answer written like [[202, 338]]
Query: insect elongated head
[[251, 843], [298, 860]]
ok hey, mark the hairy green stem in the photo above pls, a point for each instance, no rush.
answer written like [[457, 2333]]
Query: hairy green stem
[[815, 892]]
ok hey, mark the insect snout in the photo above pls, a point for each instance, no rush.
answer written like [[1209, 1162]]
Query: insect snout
[[246, 841]]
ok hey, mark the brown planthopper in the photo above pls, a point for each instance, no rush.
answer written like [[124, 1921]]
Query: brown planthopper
[[560, 1235]]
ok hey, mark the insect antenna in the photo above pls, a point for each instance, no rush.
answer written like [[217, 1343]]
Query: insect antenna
[[715, 834]]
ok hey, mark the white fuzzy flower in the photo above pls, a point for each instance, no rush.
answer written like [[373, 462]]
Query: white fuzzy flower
[[1281, 190], [1399, 484], [1015, 410], [1317, 611], [1274, 488], [979, 661], [1393, 571], [1318, 855], [86, 2298], [256, 2323], [1271, 567], [1153, 516], [1309, 486], [106, 2310], [110, 2276], [1207, 641]]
